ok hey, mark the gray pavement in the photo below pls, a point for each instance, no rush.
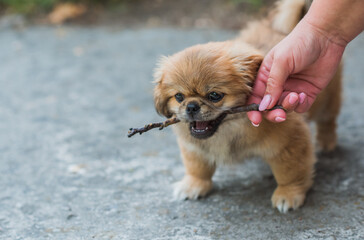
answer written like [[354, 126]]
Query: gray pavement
[[68, 171]]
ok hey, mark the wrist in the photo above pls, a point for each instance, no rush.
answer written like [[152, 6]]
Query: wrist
[[339, 20], [324, 32]]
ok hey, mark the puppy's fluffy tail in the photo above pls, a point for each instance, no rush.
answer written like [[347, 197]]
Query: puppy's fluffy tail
[[288, 13]]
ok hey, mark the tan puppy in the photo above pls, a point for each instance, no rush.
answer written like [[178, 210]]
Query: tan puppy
[[200, 82]]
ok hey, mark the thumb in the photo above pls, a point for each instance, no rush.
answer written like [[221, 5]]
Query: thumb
[[278, 75]]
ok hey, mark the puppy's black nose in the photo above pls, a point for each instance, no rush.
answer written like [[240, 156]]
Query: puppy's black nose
[[192, 108]]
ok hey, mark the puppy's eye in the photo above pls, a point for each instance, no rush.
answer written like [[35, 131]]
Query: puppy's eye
[[179, 97], [215, 97]]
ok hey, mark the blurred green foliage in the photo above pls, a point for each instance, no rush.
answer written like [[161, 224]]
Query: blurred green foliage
[[254, 3], [28, 6], [39, 6]]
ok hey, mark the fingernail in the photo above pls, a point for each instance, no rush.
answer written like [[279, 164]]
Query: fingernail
[[265, 102], [255, 125], [279, 119], [292, 99], [302, 97]]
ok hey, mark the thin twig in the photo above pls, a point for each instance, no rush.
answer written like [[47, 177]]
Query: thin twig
[[161, 125]]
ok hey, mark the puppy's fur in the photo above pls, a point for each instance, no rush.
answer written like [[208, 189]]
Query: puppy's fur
[[229, 69]]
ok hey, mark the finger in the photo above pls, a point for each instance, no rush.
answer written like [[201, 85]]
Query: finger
[[260, 83], [277, 77], [258, 90], [290, 102], [255, 117], [304, 104], [277, 115], [264, 69]]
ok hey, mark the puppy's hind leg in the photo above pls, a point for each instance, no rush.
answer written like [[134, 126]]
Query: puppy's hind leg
[[326, 135], [325, 112], [197, 181]]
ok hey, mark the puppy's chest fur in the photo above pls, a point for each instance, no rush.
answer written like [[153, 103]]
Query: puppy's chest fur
[[234, 141]]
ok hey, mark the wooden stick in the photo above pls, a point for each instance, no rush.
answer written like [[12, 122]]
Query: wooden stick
[[161, 125]]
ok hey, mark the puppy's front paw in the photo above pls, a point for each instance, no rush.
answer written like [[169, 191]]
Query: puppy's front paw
[[191, 188], [288, 197]]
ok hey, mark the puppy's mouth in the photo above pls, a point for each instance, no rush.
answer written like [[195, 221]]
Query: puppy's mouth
[[205, 129]]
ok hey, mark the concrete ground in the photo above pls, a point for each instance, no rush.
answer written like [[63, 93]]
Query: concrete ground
[[68, 171]]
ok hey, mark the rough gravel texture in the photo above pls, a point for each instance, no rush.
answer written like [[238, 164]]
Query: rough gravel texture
[[68, 171]]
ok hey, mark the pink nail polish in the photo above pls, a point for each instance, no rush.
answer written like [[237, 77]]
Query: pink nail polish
[[255, 125], [279, 119], [302, 97], [292, 99], [265, 102]]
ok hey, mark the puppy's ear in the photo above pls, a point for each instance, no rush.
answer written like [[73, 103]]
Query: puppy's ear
[[248, 67], [160, 95]]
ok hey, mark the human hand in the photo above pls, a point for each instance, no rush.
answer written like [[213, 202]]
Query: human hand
[[294, 72]]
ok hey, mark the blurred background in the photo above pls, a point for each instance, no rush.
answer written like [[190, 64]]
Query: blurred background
[[76, 75], [152, 13]]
